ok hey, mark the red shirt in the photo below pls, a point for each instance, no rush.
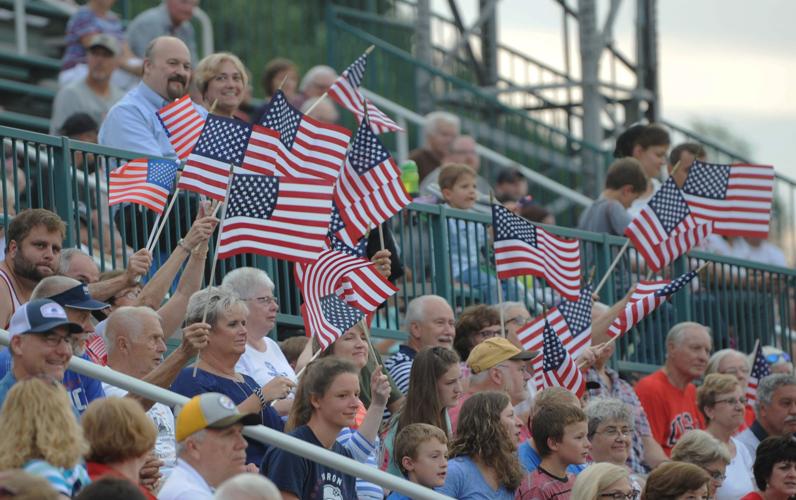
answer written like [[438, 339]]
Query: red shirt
[[671, 411], [97, 471], [752, 496]]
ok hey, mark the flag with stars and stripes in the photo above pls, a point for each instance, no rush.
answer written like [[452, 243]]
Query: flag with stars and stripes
[[304, 146], [556, 365], [570, 320], [261, 155], [345, 92], [522, 248], [183, 125], [760, 369], [647, 296], [281, 217], [220, 148], [735, 198], [327, 315], [146, 182], [372, 210], [666, 228], [339, 238]]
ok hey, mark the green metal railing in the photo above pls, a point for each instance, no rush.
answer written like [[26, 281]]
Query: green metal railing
[[741, 301]]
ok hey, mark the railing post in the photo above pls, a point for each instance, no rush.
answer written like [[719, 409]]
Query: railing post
[[20, 27], [62, 181], [441, 264], [330, 33], [682, 299]]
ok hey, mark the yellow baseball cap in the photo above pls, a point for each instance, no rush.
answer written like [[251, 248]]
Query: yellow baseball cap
[[494, 351], [211, 410]]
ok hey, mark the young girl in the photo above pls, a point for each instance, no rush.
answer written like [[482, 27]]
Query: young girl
[[484, 461], [434, 387]]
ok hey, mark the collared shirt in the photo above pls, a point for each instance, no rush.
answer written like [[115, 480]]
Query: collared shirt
[[399, 365], [185, 483], [752, 436], [133, 125], [156, 22]]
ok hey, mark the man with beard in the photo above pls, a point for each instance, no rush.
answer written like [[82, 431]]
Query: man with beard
[[132, 123], [33, 249]]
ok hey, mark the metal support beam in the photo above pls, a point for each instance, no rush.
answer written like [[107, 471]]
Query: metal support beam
[[591, 48], [423, 51], [478, 66], [489, 42], [647, 55]]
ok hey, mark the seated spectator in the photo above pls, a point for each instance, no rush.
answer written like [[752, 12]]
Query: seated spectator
[[421, 452], [515, 317], [120, 438], [292, 347], [533, 212], [648, 144], [439, 131], [775, 469], [758, 250], [463, 151], [315, 83], [322, 109], [732, 362], [610, 430], [778, 360], [221, 79], [326, 403], [171, 17], [475, 324], [510, 186], [41, 435], [775, 409], [560, 434], [703, 450], [247, 486], [483, 461], [677, 481], [215, 369], [721, 400], [77, 264], [210, 447], [624, 182], [96, 17], [604, 481], [277, 72], [682, 156], [437, 389], [669, 395], [111, 487], [21, 485]]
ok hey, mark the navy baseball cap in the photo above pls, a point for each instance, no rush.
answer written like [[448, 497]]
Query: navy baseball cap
[[40, 316], [78, 297]]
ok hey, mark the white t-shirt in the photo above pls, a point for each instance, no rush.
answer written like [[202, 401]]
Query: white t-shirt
[[163, 418], [641, 202], [766, 253], [185, 484], [263, 366], [739, 479]]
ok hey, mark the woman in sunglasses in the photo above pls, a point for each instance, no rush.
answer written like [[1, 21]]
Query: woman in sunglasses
[[779, 360], [604, 481]]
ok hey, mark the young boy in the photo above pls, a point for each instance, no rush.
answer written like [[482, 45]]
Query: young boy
[[421, 452], [624, 183], [560, 434]]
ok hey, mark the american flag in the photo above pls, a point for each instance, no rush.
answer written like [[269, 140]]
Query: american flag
[[522, 248], [261, 155], [571, 320], [146, 182], [557, 367], [647, 296], [343, 242], [760, 369], [305, 147], [736, 198], [345, 91], [95, 348], [372, 210], [183, 125], [665, 228], [281, 217], [219, 148]]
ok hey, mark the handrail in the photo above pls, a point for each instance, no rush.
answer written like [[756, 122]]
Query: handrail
[[208, 44], [259, 432]]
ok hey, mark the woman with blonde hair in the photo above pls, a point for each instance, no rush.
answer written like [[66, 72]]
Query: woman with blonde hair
[[677, 481], [604, 481], [41, 435], [223, 81], [708, 453]]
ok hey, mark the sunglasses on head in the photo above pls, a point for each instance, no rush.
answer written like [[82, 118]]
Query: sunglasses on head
[[775, 358]]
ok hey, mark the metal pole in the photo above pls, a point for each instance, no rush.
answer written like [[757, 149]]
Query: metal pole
[[20, 27], [424, 52], [590, 51]]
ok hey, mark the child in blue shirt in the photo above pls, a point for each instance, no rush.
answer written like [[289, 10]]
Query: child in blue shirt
[[421, 452]]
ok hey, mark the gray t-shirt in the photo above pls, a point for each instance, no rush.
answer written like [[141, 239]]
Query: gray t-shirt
[[77, 97], [156, 22], [605, 216]]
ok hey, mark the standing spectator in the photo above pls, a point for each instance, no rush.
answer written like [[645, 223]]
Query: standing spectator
[[721, 400], [776, 410], [701, 449], [669, 395], [429, 322], [624, 182], [732, 362], [648, 144], [94, 94], [604, 481], [775, 469], [41, 435], [483, 461], [326, 402], [421, 452], [677, 481], [171, 17], [440, 129], [210, 448], [222, 79]]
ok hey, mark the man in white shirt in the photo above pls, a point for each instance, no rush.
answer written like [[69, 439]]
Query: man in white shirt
[[210, 447]]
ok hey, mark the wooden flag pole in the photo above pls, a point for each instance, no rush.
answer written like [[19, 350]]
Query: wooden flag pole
[[325, 94], [611, 268], [313, 358], [163, 220], [213, 106], [499, 284], [152, 234], [370, 339]]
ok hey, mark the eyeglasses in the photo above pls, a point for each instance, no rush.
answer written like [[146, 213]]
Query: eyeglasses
[[265, 300], [733, 401], [615, 432], [775, 358], [489, 333], [715, 474], [618, 495], [53, 339], [520, 320]]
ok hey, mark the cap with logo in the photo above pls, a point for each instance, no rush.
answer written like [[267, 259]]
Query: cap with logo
[[211, 410], [105, 41], [40, 316], [78, 297], [494, 351]]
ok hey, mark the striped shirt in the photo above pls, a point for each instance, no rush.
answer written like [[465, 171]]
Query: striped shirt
[[65, 481], [364, 452], [399, 365]]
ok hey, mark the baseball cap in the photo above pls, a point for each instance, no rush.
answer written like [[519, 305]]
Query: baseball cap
[[211, 410], [39, 316], [78, 297], [105, 41], [494, 351]]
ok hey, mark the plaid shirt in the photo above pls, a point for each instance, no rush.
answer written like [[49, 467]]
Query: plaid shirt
[[624, 392]]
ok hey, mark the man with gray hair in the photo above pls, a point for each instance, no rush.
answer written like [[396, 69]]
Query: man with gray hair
[[669, 395], [429, 323], [317, 81], [776, 410], [248, 486], [440, 130], [171, 17]]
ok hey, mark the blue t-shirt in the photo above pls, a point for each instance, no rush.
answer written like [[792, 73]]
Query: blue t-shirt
[[530, 460], [465, 482], [82, 390], [304, 478], [190, 386], [397, 496]]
